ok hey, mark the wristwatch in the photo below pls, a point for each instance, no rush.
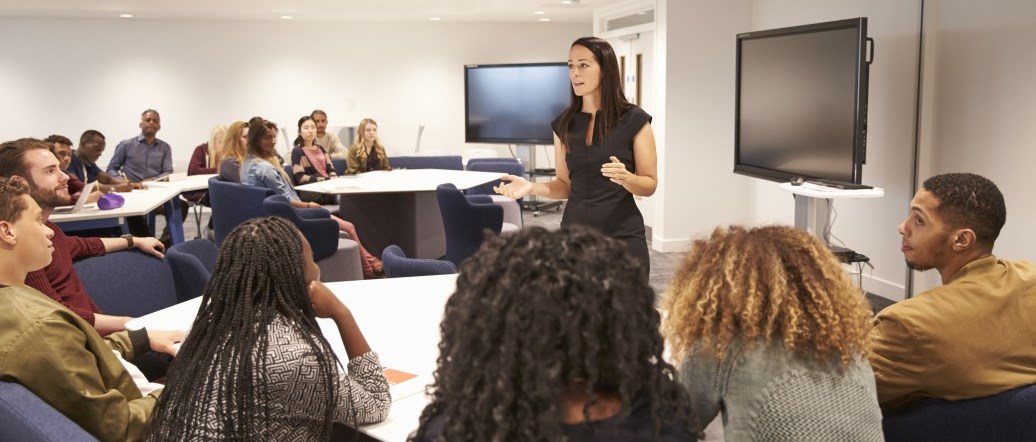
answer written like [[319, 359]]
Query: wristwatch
[[129, 240]]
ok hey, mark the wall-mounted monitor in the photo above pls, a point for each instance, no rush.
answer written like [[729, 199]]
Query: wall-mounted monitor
[[514, 103], [801, 106]]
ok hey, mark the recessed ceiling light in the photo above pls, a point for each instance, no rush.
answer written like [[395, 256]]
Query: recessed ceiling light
[[126, 15], [539, 12], [287, 17], [544, 19], [436, 19]]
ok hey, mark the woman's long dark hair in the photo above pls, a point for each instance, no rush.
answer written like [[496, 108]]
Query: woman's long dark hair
[[298, 140], [222, 365], [613, 102], [535, 314]]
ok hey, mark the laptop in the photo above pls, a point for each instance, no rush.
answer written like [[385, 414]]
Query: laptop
[[81, 202]]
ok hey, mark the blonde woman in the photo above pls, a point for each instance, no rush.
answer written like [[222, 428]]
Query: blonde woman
[[203, 161], [766, 327], [367, 153], [232, 155]]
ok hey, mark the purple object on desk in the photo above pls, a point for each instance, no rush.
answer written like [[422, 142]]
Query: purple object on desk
[[110, 201]]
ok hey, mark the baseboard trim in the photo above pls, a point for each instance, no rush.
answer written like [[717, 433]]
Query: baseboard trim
[[670, 245]]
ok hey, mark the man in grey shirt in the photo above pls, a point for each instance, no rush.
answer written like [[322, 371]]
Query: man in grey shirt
[[145, 157]]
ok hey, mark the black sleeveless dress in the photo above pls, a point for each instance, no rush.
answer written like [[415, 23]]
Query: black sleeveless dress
[[594, 200]]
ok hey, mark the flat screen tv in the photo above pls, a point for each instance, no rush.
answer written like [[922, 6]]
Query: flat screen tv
[[514, 103], [801, 106]]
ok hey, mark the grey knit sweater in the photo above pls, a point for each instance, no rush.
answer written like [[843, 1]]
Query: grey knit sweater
[[768, 394]]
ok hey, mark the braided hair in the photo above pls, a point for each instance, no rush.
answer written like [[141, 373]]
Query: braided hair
[[219, 375], [538, 313]]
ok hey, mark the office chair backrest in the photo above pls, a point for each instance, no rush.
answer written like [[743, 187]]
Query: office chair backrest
[[25, 417], [1004, 417], [397, 265], [128, 283], [192, 263], [465, 221], [322, 233], [340, 165], [233, 204]]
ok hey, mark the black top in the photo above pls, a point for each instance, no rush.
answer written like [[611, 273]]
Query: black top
[[635, 427], [594, 200]]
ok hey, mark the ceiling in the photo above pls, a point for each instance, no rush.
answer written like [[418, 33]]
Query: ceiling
[[513, 11]]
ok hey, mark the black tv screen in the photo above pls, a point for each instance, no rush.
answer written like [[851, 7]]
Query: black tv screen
[[802, 102], [514, 103]]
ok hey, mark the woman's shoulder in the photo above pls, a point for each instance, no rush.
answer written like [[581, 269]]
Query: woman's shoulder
[[635, 114]]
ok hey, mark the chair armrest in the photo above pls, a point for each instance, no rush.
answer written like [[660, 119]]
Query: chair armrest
[[313, 213], [322, 234]]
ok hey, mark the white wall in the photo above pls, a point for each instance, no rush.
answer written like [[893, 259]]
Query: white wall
[[980, 105], [694, 73], [65, 76]]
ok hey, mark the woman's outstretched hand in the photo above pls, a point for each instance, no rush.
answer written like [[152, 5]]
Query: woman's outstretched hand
[[515, 187]]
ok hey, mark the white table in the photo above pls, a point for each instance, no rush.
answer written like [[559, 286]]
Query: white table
[[399, 317], [398, 206], [139, 202], [184, 183]]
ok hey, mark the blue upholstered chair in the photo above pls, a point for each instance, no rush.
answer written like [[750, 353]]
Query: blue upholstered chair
[[397, 265], [512, 208], [1004, 417], [233, 204], [25, 417], [338, 258], [128, 283], [465, 220], [192, 263], [340, 165], [449, 162]]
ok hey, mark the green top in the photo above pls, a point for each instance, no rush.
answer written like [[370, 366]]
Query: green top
[[57, 355]]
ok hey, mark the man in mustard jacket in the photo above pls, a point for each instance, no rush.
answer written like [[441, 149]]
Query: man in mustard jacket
[[974, 335], [53, 352]]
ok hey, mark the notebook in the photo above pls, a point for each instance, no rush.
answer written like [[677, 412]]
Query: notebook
[[81, 202]]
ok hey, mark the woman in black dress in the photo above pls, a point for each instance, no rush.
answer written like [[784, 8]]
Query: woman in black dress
[[605, 152]]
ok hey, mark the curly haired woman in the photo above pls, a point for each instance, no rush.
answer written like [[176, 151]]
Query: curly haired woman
[[566, 348], [766, 326]]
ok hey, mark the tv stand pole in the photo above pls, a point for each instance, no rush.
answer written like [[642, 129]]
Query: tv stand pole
[[532, 202], [813, 212]]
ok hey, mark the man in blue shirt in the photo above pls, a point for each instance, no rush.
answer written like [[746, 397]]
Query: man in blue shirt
[[145, 157], [84, 164]]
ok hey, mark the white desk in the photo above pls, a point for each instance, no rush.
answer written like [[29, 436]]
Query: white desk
[[184, 183], [399, 317], [138, 203], [398, 206]]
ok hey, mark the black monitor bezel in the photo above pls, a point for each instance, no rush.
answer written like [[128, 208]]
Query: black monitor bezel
[[467, 136]]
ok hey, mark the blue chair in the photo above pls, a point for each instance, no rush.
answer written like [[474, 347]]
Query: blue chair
[[465, 220], [233, 204], [512, 208], [25, 417], [340, 165], [128, 283], [192, 263], [338, 258], [1004, 417], [492, 160], [449, 162], [397, 265]]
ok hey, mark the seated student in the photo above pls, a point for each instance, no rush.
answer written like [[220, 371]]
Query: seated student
[[367, 153], [61, 147], [769, 330], [53, 352], [329, 140], [310, 163], [280, 380], [233, 152], [974, 335], [31, 161], [553, 336], [204, 161], [261, 168], [83, 165]]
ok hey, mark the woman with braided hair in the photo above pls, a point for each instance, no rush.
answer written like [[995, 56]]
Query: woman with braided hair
[[553, 336], [255, 365], [767, 328]]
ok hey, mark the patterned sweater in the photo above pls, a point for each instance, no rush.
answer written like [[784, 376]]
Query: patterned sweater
[[296, 393], [768, 394]]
